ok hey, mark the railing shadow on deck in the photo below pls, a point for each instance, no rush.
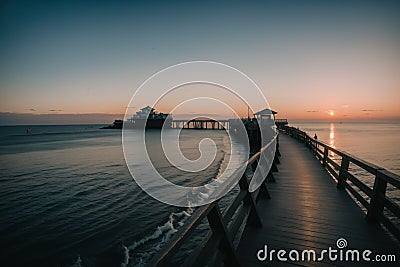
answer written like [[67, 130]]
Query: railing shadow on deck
[[218, 245], [377, 203]]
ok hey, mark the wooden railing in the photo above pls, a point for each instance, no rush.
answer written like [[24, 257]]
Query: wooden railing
[[281, 121], [218, 245], [375, 200]]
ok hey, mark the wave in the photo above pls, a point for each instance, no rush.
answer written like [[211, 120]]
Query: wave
[[56, 133], [126, 257], [77, 263], [162, 234], [221, 165]]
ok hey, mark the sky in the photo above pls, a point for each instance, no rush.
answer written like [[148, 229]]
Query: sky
[[313, 60]]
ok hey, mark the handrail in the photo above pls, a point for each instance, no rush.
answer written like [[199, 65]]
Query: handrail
[[218, 245], [378, 199]]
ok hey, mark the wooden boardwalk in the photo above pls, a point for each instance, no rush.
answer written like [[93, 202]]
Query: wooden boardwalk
[[307, 211]]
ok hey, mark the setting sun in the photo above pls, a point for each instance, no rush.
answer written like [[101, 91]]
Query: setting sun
[[331, 113]]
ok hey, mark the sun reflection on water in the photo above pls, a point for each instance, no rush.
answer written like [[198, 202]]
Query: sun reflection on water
[[332, 137]]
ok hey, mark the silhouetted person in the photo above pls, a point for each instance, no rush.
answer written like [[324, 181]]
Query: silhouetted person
[[316, 138]]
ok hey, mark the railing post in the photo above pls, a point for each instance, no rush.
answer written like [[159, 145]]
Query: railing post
[[377, 201], [309, 142], [226, 246], [314, 146], [276, 159], [263, 192], [249, 200], [274, 168], [254, 165], [270, 177], [244, 183], [344, 167], [325, 156]]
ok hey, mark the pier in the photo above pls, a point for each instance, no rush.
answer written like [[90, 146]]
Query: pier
[[205, 123], [201, 124], [210, 124], [310, 199]]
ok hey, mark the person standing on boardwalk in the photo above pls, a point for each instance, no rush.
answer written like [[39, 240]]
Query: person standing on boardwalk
[[316, 138]]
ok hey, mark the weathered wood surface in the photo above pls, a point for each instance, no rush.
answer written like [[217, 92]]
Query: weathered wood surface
[[307, 211], [381, 207]]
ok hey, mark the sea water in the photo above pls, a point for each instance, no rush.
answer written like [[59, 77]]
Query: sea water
[[378, 143], [68, 199]]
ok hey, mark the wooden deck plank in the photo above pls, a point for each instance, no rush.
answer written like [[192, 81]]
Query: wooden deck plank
[[307, 211]]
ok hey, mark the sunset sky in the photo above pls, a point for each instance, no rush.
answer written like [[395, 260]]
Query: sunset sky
[[313, 60]]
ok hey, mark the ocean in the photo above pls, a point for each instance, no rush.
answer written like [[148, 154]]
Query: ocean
[[67, 197], [378, 143]]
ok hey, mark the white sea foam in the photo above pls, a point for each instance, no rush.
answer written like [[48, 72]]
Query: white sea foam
[[77, 262], [163, 234], [126, 257]]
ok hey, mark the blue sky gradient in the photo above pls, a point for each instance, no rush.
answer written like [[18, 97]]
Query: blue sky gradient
[[90, 56]]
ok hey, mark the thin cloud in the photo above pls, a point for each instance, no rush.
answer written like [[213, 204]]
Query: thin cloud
[[200, 114], [32, 109], [312, 111], [8, 118], [346, 106], [55, 110], [371, 110]]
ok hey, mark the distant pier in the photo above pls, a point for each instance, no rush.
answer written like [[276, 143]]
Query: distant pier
[[201, 124], [210, 124]]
